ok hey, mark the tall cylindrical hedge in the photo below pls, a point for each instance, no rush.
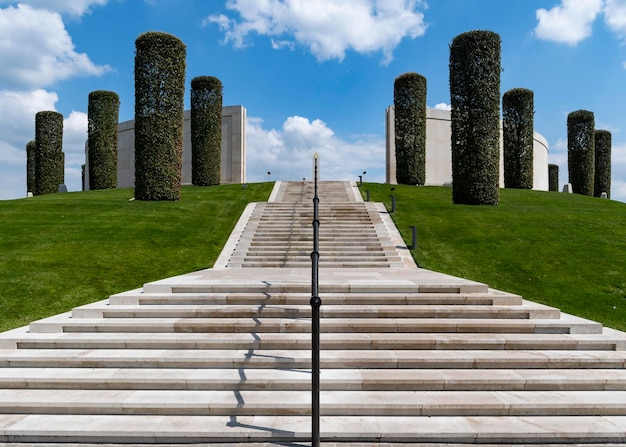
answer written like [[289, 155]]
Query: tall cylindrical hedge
[[206, 130], [409, 100], [475, 101], [102, 116], [602, 143], [49, 157], [553, 177], [518, 128], [159, 108], [581, 151], [31, 152]]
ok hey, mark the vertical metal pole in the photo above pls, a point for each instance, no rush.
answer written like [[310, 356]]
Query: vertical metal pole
[[367, 195], [360, 180], [393, 203], [316, 302]]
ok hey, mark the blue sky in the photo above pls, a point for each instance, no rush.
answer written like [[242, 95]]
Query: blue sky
[[314, 75]]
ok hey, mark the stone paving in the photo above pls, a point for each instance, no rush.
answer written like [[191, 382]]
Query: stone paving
[[222, 356]]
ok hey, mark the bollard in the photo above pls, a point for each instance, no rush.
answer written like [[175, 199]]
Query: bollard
[[367, 195], [413, 237], [393, 203]]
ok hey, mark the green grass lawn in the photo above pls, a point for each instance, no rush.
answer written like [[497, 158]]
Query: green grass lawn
[[59, 251], [564, 250], [63, 250]]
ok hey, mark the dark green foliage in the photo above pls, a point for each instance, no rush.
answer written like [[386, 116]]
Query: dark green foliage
[[31, 150], [581, 151], [206, 130], [159, 105], [409, 100], [553, 177], [475, 100], [602, 143], [518, 128], [49, 158], [103, 115]]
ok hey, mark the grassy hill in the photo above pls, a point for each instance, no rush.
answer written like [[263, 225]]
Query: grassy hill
[[564, 250], [62, 250]]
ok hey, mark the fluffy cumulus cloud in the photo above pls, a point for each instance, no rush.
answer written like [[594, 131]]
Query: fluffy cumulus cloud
[[569, 22], [71, 7], [615, 16], [288, 152], [328, 28], [37, 50]]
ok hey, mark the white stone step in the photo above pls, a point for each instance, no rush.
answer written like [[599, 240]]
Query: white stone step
[[150, 429], [300, 359], [330, 379], [265, 341], [291, 403]]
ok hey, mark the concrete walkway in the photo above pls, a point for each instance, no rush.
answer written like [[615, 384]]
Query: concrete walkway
[[223, 355]]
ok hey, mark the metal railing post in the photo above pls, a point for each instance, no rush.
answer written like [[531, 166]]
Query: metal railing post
[[316, 302]]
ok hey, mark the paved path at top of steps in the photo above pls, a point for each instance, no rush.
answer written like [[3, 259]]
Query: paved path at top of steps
[[222, 356]]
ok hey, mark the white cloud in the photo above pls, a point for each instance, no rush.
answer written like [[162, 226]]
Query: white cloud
[[71, 7], [288, 153], [37, 50], [568, 23], [615, 16], [328, 28], [443, 106]]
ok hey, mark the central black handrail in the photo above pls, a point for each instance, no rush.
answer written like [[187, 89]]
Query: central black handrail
[[316, 302]]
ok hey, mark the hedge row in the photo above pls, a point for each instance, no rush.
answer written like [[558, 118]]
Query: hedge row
[[580, 154], [602, 178], [475, 100], [553, 177], [518, 129], [159, 107], [31, 153], [409, 100], [206, 130], [102, 117], [49, 158]]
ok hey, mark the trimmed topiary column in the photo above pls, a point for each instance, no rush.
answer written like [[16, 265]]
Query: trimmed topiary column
[[475, 100], [49, 157], [553, 177], [31, 152], [206, 131], [581, 151], [102, 115], [518, 128], [602, 143], [409, 100], [159, 106]]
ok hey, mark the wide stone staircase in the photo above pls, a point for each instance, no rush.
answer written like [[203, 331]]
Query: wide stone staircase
[[222, 356]]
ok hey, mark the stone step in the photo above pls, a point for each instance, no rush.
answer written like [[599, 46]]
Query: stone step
[[330, 264], [302, 341], [335, 325], [301, 359], [330, 379], [328, 298], [293, 403], [107, 310], [434, 430]]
